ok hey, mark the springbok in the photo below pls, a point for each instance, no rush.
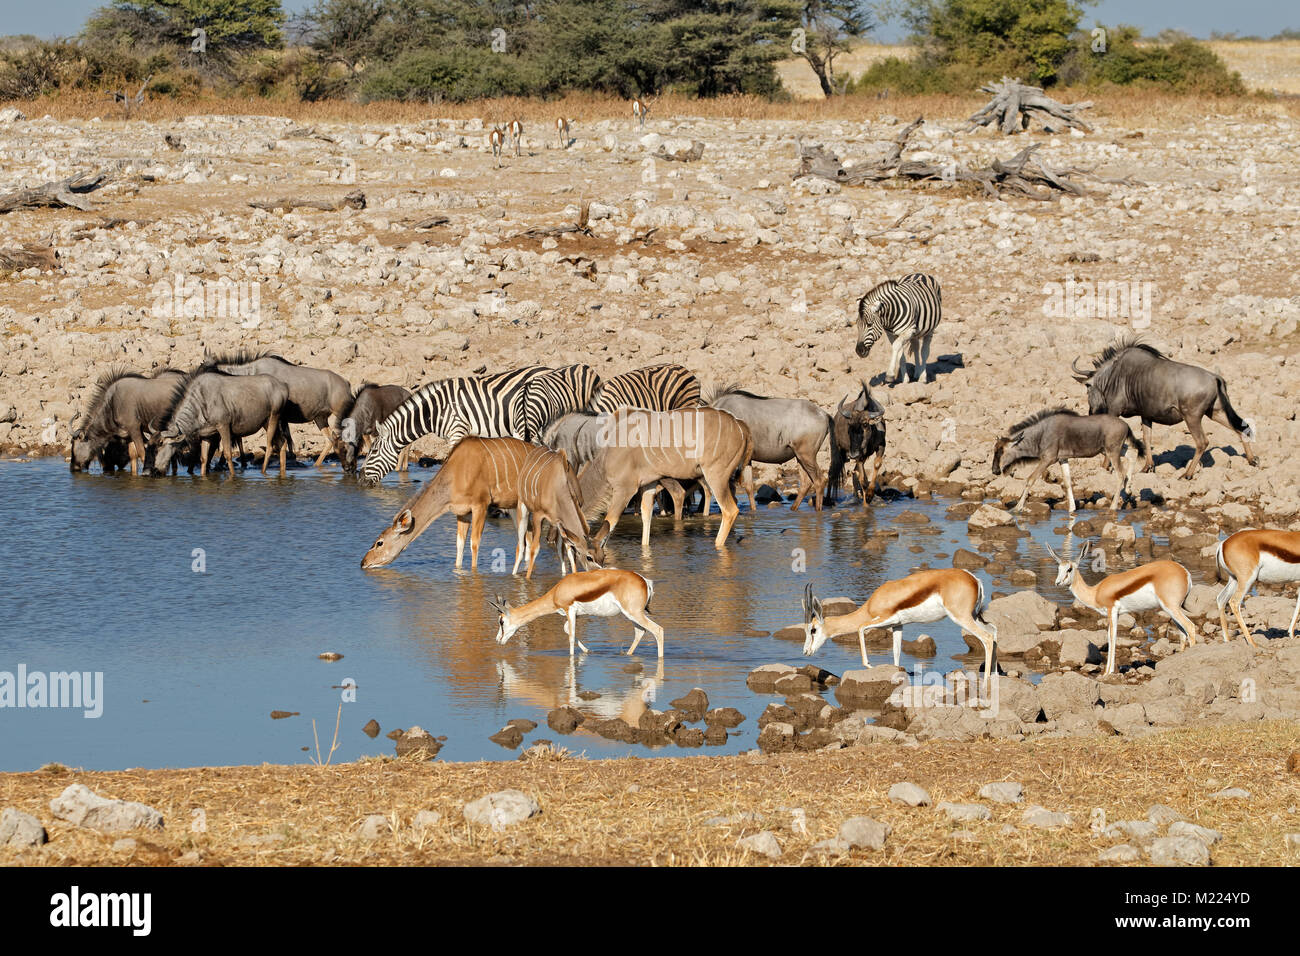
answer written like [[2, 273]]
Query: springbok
[[640, 110], [603, 593], [479, 472], [919, 598], [516, 133], [1059, 434], [548, 490], [1247, 557], [1162, 585], [640, 448], [562, 131], [497, 139]]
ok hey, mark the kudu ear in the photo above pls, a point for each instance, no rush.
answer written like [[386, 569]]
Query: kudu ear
[[404, 521]]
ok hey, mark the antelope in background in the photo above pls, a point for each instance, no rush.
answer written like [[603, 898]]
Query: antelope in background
[[1131, 378], [1162, 585], [1256, 555], [1059, 434], [516, 133], [641, 109], [497, 139], [604, 593], [919, 598], [562, 132]]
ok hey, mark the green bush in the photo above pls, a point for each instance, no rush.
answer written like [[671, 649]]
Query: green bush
[[1184, 65]]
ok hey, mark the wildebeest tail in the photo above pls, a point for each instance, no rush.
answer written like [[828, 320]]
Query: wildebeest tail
[[839, 457], [1239, 424], [1138, 443]]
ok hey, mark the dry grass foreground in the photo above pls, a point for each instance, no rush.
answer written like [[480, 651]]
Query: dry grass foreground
[[656, 812]]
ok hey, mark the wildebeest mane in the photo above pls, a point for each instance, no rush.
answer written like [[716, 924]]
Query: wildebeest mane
[[179, 391], [239, 357], [732, 389], [1039, 416], [95, 406]]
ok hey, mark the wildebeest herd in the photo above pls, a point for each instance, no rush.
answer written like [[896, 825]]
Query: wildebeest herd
[[566, 446]]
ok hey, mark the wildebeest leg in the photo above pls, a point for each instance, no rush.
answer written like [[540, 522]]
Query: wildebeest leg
[[272, 432], [1069, 486], [135, 451], [1146, 440], [1037, 473], [1198, 435], [1220, 416], [816, 479], [860, 490]]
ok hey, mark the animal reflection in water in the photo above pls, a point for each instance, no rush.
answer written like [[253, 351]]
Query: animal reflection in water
[[539, 692]]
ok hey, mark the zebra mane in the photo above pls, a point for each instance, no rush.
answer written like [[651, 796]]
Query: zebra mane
[[1038, 416], [95, 407]]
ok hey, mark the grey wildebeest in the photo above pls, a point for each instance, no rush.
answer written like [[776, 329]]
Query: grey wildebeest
[[1059, 434], [211, 404], [478, 472], [859, 430], [316, 395], [371, 404], [639, 448], [1131, 378], [125, 406], [782, 429]]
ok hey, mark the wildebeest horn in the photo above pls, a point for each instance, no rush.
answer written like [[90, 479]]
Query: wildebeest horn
[[1079, 374]]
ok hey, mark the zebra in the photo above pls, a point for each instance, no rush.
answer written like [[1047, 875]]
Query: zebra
[[554, 394], [661, 388], [907, 311], [490, 406]]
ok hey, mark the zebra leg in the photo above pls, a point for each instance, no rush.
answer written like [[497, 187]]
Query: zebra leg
[[897, 347], [925, 357]]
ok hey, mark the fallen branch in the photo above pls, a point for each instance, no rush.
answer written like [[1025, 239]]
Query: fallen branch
[[432, 222], [1014, 104], [29, 256], [356, 199], [64, 194], [540, 232], [1022, 174]]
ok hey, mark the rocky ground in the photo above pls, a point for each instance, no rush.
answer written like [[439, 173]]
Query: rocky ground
[[1222, 796], [723, 264]]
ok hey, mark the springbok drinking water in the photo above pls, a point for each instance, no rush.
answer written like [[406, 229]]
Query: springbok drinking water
[[1059, 434], [1251, 556], [1162, 585], [604, 593]]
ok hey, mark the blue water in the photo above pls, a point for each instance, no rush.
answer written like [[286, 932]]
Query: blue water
[[100, 577]]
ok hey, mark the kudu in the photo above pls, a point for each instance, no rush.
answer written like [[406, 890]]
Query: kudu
[[1058, 434], [1131, 378]]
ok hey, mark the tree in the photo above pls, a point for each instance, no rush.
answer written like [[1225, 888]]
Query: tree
[[231, 26], [828, 26]]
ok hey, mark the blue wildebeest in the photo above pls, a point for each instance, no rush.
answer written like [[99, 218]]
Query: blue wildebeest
[[211, 404], [125, 407], [782, 429], [371, 404], [316, 395], [1131, 378], [1059, 434], [859, 430]]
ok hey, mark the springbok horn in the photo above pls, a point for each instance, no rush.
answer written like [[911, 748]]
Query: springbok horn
[[1052, 552], [807, 603]]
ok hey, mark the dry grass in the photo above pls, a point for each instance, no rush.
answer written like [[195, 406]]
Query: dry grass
[[636, 811]]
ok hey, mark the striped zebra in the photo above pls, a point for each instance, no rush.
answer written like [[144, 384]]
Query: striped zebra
[[554, 394], [660, 388], [907, 311], [490, 406]]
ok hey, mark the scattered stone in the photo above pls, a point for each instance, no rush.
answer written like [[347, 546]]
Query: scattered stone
[[764, 843], [864, 833], [502, 809], [1179, 851], [331, 656], [125, 845], [965, 812], [1231, 793], [18, 829], [508, 736], [1003, 792], [832, 847], [282, 714], [1122, 853], [417, 740], [990, 516], [374, 827], [1044, 819], [724, 717], [564, 720], [1204, 834], [909, 794], [1161, 815], [744, 817], [524, 724], [371, 729], [1142, 831], [762, 680], [424, 819], [696, 702], [82, 807]]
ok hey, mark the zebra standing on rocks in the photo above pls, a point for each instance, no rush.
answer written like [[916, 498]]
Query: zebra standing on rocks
[[490, 406], [907, 311]]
